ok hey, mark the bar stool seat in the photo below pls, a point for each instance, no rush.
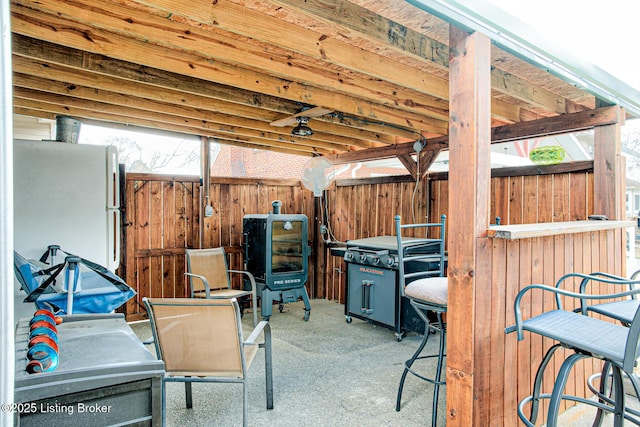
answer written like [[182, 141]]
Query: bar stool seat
[[432, 290]]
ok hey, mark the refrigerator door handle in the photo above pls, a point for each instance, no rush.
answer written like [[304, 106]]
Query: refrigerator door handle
[[113, 205], [113, 240], [113, 178]]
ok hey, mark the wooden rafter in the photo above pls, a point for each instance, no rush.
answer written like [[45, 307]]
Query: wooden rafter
[[227, 69], [548, 126]]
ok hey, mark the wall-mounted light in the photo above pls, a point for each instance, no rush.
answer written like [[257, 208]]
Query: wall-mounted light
[[302, 129]]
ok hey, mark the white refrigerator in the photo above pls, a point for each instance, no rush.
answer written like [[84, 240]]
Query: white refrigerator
[[68, 195]]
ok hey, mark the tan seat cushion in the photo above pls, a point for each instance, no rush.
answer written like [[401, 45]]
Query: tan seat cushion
[[430, 289]]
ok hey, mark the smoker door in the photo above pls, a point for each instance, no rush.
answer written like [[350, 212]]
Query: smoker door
[[287, 246]]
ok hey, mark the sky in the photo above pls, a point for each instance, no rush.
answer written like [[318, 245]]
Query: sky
[[603, 32]]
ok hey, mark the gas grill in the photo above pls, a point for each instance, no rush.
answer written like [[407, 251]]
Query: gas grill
[[373, 285]]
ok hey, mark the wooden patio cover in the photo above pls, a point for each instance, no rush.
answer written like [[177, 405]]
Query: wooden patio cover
[[387, 73]]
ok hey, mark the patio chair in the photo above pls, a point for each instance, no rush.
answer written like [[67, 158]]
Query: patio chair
[[421, 275], [622, 310], [201, 340], [587, 336], [209, 277]]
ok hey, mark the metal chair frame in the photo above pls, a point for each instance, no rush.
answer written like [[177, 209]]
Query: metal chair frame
[[615, 344], [209, 288], [205, 356], [408, 251], [620, 310]]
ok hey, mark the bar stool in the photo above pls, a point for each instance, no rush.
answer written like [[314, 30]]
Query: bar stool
[[421, 269], [623, 311], [588, 337]]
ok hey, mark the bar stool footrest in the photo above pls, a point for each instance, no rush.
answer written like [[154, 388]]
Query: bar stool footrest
[[628, 414]]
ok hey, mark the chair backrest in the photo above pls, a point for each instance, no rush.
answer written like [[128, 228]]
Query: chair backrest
[[24, 271], [412, 251], [631, 351], [210, 263], [198, 337]]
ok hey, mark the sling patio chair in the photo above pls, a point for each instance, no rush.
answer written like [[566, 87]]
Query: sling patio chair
[[209, 277], [588, 337], [201, 340]]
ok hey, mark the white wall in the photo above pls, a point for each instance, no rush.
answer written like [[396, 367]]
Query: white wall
[[33, 129]]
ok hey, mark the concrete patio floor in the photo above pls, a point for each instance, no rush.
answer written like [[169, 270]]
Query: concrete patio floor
[[326, 373]]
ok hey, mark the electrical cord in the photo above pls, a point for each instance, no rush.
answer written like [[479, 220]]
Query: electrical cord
[[324, 208]]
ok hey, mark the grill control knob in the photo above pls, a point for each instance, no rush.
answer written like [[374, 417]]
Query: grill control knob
[[376, 260], [363, 258], [348, 256], [391, 262]]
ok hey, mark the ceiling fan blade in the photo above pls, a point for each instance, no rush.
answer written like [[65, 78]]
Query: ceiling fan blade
[[314, 112], [287, 121], [291, 120]]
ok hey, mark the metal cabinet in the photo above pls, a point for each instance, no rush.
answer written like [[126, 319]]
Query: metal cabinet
[[106, 376]]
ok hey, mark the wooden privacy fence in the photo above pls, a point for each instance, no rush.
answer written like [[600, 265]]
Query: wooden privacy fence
[[362, 208], [163, 217]]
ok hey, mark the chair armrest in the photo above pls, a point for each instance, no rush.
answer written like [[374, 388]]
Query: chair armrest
[[249, 275], [207, 290], [254, 297], [263, 325], [518, 327], [599, 277]]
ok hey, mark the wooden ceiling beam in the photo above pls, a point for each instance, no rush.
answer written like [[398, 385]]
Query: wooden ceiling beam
[[518, 88], [240, 20], [566, 123], [33, 57], [36, 86], [367, 24], [29, 99], [193, 60], [72, 78], [43, 54], [108, 118], [77, 108]]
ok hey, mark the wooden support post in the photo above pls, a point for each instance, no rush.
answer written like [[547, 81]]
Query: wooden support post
[[608, 173], [205, 187], [470, 175]]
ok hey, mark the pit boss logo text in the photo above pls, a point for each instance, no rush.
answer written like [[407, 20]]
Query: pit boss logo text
[[286, 281], [372, 271]]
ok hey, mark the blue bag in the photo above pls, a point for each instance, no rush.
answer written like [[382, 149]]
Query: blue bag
[[101, 290]]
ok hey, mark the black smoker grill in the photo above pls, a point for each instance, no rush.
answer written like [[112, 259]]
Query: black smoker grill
[[373, 285], [277, 254]]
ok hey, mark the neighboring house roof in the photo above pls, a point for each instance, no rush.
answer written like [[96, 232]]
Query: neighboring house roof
[[252, 163]]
